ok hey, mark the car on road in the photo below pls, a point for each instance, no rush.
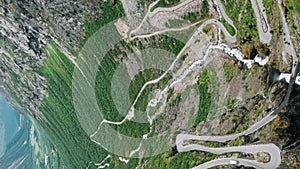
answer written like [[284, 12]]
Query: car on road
[[233, 162]]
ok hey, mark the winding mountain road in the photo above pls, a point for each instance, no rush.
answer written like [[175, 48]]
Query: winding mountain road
[[270, 149], [261, 20], [265, 37]]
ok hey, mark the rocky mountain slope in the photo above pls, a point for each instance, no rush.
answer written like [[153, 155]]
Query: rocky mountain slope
[[25, 28]]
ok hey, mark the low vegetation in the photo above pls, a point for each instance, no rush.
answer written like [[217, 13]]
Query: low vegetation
[[111, 12], [290, 7], [205, 97], [233, 9], [176, 100], [191, 16], [164, 4], [138, 82], [169, 160], [243, 18], [268, 6], [229, 104], [246, 74], [108, 68], [230, 70], [229, 28], [204, 9], [297, 5], [195, 16], [132, 129], [144, 3], [247, 29]]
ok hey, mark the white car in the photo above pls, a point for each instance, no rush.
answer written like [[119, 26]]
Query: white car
[[233, 162]]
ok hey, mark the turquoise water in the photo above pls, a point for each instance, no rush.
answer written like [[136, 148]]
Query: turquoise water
[[9, 124], [16, 150]]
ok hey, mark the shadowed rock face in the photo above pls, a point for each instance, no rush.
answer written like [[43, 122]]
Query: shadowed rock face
[[292, 133], [25, 28], [292, 115], [273, 75]]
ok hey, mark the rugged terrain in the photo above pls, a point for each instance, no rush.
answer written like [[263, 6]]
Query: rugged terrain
[[40, 47]]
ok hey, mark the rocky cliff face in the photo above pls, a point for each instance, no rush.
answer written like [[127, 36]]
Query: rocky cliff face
[[25, 28]]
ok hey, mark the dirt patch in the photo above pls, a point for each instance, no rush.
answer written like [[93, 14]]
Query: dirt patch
[[122, 28]]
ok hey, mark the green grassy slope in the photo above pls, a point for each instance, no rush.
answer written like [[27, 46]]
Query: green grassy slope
[[61, 123], [297, 5], [205, 98], [62, 126]]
